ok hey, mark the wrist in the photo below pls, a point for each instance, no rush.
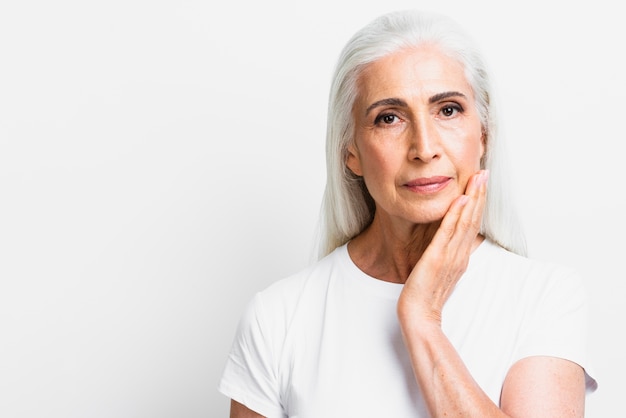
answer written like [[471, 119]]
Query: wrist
[[414, 318]]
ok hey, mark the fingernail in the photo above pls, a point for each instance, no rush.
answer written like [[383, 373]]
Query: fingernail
[[484, 177]]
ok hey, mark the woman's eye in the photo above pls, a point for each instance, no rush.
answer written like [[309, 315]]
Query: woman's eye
[[387, 119], [450, 110]]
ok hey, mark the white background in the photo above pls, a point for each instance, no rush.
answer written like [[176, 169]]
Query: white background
[[161, 161]]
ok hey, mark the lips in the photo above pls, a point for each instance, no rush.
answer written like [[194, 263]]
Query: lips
[[427, 185]]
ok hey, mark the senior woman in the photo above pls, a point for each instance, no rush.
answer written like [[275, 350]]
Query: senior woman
[[423, 302]]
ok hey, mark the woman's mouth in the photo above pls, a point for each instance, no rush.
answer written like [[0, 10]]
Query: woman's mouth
[[428, 185]]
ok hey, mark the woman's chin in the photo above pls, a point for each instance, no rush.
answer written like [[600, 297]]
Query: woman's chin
[[430, 214], [425, 217], [433, 212], [424, 220]]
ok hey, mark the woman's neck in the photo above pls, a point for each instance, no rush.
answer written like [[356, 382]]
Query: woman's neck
[[389, 252]]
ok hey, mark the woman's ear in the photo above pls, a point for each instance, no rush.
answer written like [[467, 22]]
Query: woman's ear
[[483, 142], [353, 160]]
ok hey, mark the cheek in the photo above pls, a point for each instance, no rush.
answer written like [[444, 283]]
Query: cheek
[[472, 150], [467, 159], [379, 163], [379, 172], [476, 156]]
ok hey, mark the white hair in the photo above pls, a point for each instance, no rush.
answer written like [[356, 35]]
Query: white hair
[[347, 207]]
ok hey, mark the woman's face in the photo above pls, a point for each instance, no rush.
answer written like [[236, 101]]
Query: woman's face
[[418, 136]]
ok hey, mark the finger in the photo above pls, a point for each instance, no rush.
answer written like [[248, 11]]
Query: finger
[[481, 199], [462, 221], [467, 226], [449, 223], [474, 188], [464, 225], [471, 217], [475, 182], [477, 191]]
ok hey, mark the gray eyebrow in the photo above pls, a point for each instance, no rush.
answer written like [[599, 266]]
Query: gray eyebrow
[[441, 96], [394, 101]]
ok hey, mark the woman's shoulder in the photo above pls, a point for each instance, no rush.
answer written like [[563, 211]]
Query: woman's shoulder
[[318, 271], [495, 254], [310, 282], [523, 270]]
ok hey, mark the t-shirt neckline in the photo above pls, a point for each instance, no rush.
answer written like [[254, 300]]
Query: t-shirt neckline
[[364, 281]]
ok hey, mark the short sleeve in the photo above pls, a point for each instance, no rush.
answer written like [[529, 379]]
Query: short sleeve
[[250, 376], [559, 321]]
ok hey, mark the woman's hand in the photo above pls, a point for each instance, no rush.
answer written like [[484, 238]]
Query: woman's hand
[[447, 386], [433, 278]]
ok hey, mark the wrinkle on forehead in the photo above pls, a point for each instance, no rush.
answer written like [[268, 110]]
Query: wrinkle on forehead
[[391, 77]]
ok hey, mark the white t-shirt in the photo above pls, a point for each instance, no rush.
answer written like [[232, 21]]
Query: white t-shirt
[[326, 342]]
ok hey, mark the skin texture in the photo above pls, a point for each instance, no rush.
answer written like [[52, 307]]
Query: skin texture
[[415, 119]]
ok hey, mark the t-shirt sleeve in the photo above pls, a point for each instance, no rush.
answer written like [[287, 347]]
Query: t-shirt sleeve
[[558, 327], [250, 374]]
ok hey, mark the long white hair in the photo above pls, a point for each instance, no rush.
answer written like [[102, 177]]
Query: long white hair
[[347, 207]]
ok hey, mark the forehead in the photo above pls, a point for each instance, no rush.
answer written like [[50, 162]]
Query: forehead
[[412, 72]]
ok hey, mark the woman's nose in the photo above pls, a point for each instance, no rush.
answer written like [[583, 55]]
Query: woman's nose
[[425, 142]]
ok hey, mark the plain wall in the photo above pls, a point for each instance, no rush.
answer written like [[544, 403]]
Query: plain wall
[[161, 161]]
